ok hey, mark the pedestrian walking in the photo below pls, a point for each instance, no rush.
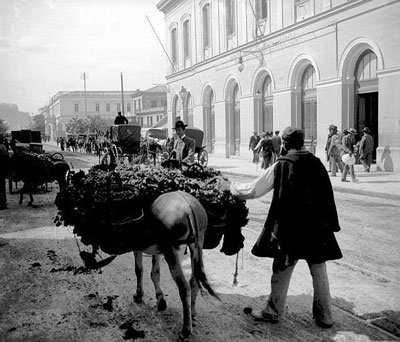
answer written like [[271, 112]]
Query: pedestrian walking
[[4, 169], [277, 144], [265, 147], [254, 140], [62, 144], [348, 143], [334, 149], [301, 223], [366, 149], [120, 119]]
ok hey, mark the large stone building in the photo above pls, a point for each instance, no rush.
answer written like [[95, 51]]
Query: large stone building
[[65, 105], [262, 65]]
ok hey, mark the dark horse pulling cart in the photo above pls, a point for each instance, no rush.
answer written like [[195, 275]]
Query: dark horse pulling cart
[[200, 153]]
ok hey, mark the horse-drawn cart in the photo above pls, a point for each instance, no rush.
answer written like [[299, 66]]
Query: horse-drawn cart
[[124, 143], [200, 153]]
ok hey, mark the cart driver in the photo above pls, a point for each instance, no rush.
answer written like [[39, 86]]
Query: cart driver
[[120, 119], [183, 147]]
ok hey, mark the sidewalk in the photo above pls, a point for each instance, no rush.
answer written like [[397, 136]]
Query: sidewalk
[[375, 184]]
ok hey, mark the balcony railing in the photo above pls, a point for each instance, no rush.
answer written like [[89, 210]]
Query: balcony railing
[[150, 110]]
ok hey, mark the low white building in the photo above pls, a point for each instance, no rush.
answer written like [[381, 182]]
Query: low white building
[[262, 65]]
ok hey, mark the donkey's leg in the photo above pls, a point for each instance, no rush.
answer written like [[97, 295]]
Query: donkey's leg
[[21, 195], [194, 285], [173, 258], [138, 297], [155, 276]]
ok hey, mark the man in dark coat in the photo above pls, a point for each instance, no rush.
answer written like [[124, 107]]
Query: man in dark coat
[[366, 149], [120, 119], [301, 223], [277, 144], [254, 140]]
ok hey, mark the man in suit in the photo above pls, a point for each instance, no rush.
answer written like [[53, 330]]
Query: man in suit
[[183, 146], [277, 144], [366, 149], [254, 140]]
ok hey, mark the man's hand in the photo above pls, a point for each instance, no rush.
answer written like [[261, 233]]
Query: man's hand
[[224, 184]]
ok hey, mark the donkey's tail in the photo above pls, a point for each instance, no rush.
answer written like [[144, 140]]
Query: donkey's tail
[[199, 273]]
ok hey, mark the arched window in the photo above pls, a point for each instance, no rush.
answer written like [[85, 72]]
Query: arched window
[[309, 106], [230, 16], [174, 46], [366, 66], [186, 39], [206, 29]]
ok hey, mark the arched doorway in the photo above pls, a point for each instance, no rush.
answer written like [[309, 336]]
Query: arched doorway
[[266, 122], [209, 119], [366, 95], [309, 107], [263, 100], [234, 121], [232, 117]]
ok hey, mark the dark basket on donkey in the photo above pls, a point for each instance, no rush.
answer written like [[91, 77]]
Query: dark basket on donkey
[[120, 218]]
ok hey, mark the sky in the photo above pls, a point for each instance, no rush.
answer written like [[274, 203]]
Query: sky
[[45, 45]]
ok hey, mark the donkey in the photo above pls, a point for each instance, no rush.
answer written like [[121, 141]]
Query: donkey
[[180, 220], [34, 174]]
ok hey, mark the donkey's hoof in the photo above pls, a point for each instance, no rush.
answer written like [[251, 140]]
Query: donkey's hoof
[[161, 304], [138, 299]]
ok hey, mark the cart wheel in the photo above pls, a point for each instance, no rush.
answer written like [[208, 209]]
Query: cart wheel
[[195, 167], [203, 157], [106, 159]]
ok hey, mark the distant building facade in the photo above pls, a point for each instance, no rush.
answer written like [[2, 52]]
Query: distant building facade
[[15, 119], [266, 64], [65, 105], [150, 106]]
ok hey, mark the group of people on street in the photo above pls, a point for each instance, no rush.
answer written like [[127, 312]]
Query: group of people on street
[[343, 145], [268, 145]]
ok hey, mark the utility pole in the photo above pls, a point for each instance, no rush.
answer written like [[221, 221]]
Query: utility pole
[[84, 76], [122, 92]]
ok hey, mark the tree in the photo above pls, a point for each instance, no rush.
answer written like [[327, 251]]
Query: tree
[[38, 123], [89, 124], [3, 126]]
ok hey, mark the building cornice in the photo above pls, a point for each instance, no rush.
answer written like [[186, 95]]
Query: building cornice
[[166, 6]]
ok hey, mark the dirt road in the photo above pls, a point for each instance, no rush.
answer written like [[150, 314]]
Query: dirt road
[[47, 296]]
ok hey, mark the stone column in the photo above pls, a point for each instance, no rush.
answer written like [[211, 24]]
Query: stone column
[[221, 147], [246, 125]]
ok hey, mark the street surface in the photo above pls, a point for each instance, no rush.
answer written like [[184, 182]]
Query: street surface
[[46, 296]]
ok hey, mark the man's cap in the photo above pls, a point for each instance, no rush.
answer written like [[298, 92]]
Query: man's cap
[[180, 124], [119, 112], [332, 127], [276, 132], [352, 130], [292, 133], [345, 131]]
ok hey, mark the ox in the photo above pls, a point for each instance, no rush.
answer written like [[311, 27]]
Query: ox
[[33, 173], [176, 220]]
